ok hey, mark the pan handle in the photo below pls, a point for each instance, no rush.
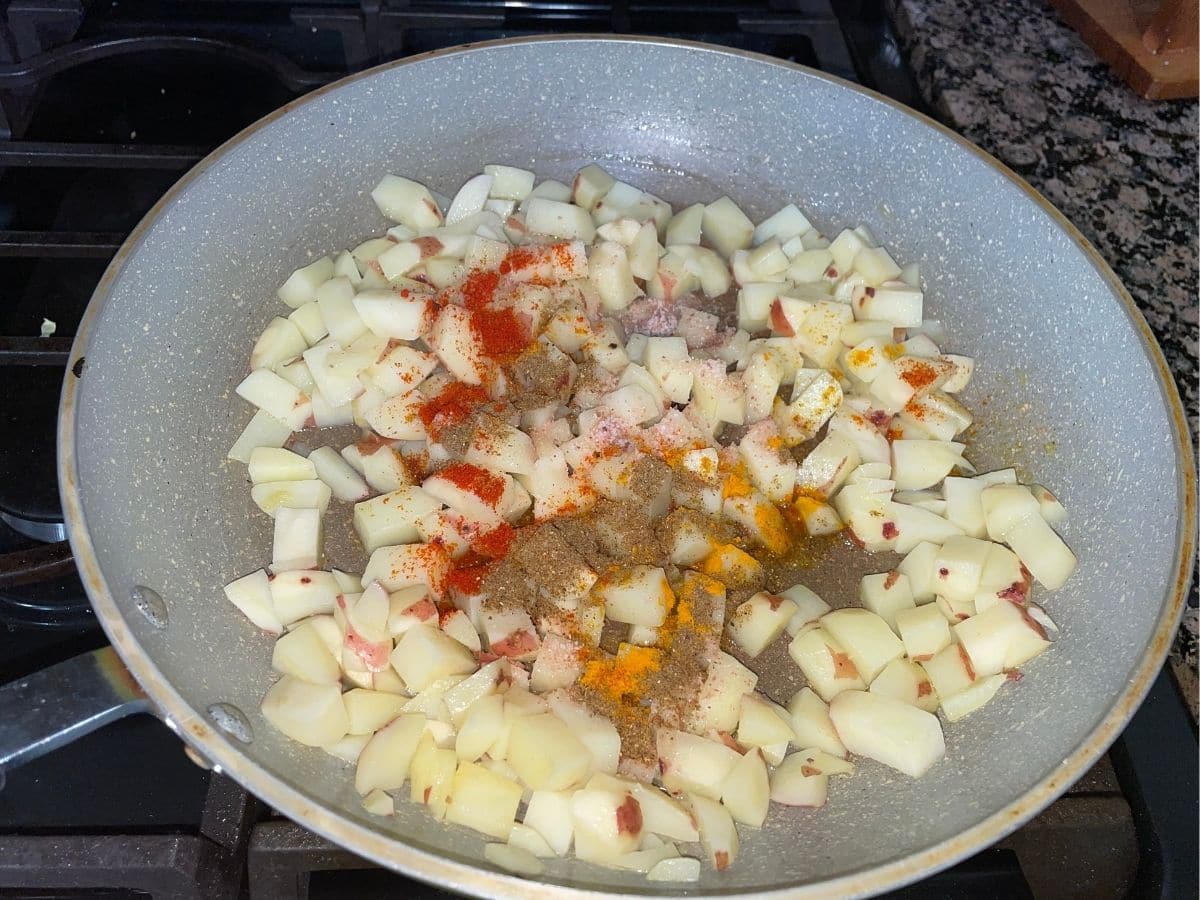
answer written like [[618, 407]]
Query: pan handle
[[55, 706]]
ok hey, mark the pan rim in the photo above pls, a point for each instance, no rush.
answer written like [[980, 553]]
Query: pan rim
[[391, 851]]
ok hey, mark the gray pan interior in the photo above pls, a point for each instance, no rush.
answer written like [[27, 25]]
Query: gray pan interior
[[1069, 389]]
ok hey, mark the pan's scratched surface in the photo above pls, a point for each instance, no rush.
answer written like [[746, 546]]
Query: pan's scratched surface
[[1065, 388]]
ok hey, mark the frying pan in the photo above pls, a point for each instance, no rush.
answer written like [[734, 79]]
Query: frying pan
[[1070, 387]]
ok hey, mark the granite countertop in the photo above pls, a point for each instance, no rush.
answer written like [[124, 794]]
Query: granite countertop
[[1022, 85]]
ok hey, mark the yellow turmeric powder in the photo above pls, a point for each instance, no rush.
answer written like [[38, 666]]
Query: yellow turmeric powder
[[737, 485], [619, 676]]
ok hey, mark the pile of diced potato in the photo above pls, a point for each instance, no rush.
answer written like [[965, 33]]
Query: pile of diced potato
[[469, 710]]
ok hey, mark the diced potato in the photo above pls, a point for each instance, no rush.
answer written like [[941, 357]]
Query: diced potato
[[886, 594], [663, 815], [950, 671], [514, 859], [252, 595], [409, 564], [726, 227], [809, 608], [303, 653], [868, 640], [407, 202], [679, 869], [746, 793], [692, 763], [889, 731], [761, 723], [560, 220], [547, 755], [811, 722], [385, 760], [423, 655], [483, 800], [759, 621], [263, 430], [368, 711], [825, 663], [1001, 638], [718, 835], [970, 699], [481, 728], [924, 630], [302, 284], [273, 495], [719, 702], [431, 774], [904, 680], [311, 714], [299, 540], [796, 782], [392, 518], [297, 594], [549, 814], [641, 596]]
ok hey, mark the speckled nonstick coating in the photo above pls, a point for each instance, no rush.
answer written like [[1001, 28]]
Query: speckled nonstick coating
[[1069, 388]]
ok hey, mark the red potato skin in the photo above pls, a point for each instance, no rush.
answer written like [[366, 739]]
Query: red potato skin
[[1018, 591], [879, 419], [728, 740], [1033, 623], [779, 322], [966, 661], [422, 610], [373, 443], [429, 246], [842, 666], [516, 644], [1014, 593], [374, 655], [668, 284], [629, 817]]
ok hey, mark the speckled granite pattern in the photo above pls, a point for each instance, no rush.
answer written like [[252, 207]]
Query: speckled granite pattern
[[1018, 82]]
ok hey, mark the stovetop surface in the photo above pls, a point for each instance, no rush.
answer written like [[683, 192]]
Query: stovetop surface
[[102, 107]]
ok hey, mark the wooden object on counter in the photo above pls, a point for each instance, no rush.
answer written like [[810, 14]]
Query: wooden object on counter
[[1152, 44]]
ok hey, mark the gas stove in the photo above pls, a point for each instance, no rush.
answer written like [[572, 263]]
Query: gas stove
[[103, 105]]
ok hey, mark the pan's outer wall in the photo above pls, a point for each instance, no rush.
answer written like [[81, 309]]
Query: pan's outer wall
[[1069, 386]]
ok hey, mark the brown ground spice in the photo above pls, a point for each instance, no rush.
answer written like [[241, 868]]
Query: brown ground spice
[[456, 438], [688, 487], [542, 378], [626, 534], [507, 586], [549, 560], [592, 383], [581, 536]]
